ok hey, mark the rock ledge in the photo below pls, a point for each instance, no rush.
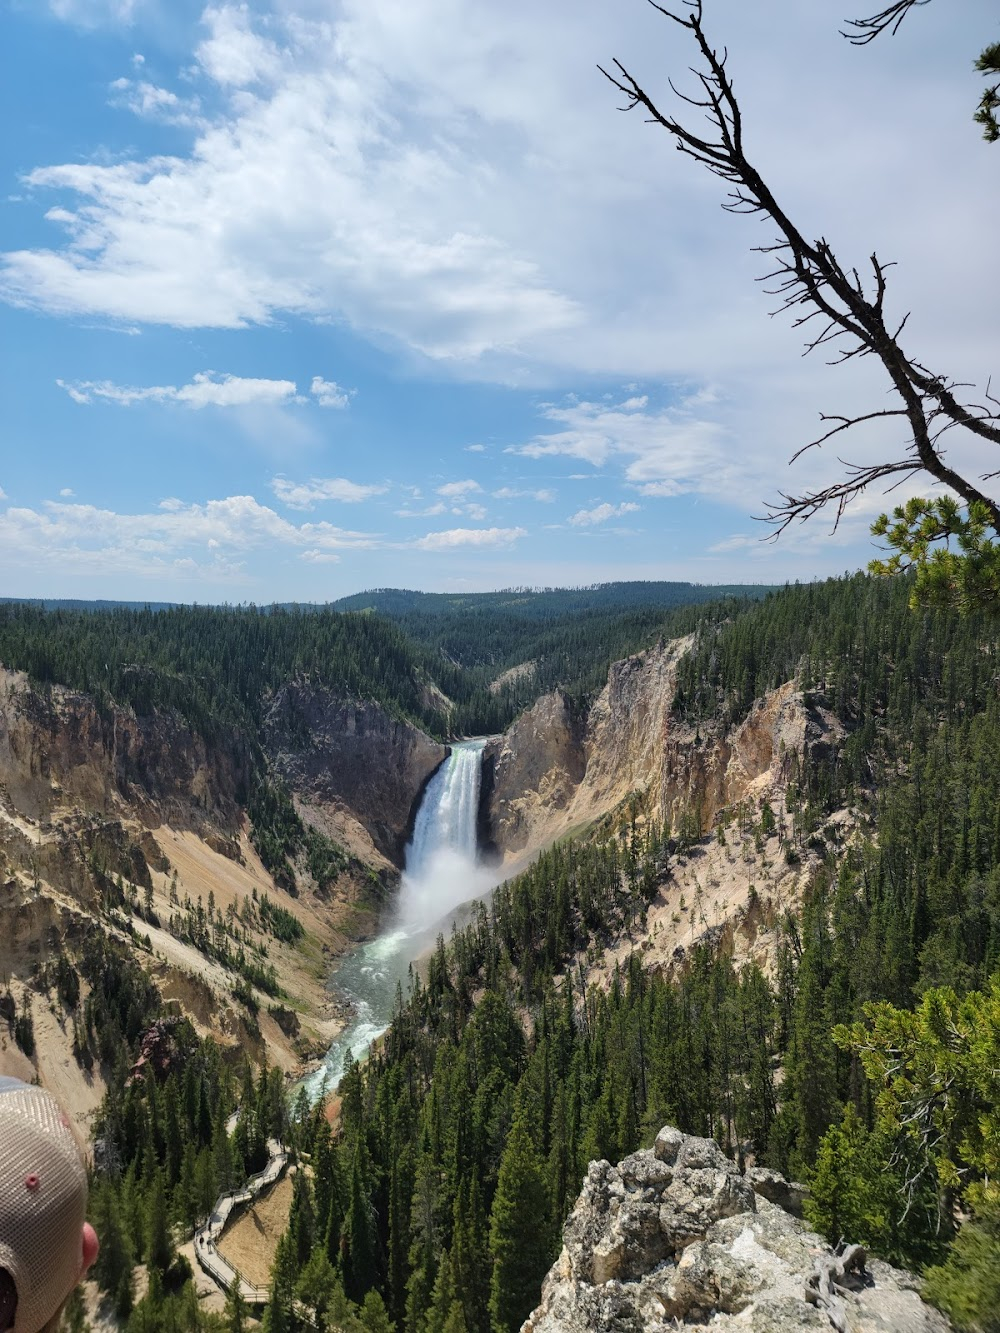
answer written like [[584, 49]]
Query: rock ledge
[[676, 1237]]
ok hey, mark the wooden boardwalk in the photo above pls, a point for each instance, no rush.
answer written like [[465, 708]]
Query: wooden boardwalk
[[206, 1237]]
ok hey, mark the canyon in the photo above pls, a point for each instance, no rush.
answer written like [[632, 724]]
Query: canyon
[[93, 795]]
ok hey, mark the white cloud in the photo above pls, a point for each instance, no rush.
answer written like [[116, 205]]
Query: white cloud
[[305, 495], [316, 557], [588, 518], [475, 448], [233, 54], [207, 389], [218, 534], [430, 512], [545, 495], [325, 187], [151, 102], [662, 451], [478, 537], [328, 393], [67, 493], [454, 490], [3, 493], [474, 511]]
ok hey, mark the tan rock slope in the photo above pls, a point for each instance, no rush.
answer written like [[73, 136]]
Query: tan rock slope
[[97, 803], [555, 770], [675, 1237]]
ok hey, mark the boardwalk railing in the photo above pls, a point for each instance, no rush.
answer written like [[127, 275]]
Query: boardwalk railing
[[209, 1258]]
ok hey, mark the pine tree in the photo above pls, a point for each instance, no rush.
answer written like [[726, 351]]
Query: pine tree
[[519, 1231], [159, 1242], [374, 1316], [360, 1261], [237, 1315], [320, 1290], [280, 1315]]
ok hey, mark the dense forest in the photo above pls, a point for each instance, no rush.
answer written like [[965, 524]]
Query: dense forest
[[219, 665], [493, 654], [865, 1060]]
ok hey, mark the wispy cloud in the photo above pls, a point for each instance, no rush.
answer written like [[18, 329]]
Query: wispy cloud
[[545, 495], [328, 393], [151, 102], [455, 490], [174, 537], [207, 389], [589, 518], [662, 451], [307, 494], [439, 507], [480, 537]]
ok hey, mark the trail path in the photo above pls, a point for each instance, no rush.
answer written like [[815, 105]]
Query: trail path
[[206, 1237]]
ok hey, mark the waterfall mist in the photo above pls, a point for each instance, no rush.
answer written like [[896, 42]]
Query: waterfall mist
[[440, 868]]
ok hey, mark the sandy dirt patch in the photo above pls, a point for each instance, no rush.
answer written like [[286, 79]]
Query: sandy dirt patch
[[250, 1243], [54, 1064]]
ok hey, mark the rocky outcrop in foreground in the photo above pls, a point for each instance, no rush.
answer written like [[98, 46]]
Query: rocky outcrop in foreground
[[677, 1237]]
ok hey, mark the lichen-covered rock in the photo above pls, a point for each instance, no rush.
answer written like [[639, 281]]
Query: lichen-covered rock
[[787, 1194], [677, 1237]]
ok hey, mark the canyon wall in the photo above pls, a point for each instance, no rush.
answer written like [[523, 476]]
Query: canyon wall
[[58, 749], [554, 770], [351, 764], [135, 827]]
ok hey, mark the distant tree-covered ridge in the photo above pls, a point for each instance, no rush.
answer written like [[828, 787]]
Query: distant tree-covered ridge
[[220, 664]]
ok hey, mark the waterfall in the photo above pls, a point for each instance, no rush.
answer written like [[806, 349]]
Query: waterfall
[[441, 870], [440, 873], [448, 813]]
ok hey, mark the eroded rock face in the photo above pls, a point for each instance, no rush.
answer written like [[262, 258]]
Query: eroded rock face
[[352, 757], [57, 748], [531, 773], [553, 770], [677, 1237]]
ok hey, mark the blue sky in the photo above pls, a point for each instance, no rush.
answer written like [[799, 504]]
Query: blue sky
[[311, 296]]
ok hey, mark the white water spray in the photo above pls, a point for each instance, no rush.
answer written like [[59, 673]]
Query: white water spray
[[440, 873], [441, 870]]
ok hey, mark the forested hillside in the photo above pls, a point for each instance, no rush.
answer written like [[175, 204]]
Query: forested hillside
[[437, 1203], [468, 1135], [212, 664], [495, 653]]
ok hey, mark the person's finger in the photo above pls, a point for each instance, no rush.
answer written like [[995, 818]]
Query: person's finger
[[91, 1246]]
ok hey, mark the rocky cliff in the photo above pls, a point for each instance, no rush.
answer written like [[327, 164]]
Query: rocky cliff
[[676, 1237], [553, 770], [356, 771], [58, 749], [135, 826]]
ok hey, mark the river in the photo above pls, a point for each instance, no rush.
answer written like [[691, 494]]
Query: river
[[440, 873]]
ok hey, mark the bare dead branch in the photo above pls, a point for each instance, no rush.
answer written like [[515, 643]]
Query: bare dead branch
[[810, 282], [866, 30]]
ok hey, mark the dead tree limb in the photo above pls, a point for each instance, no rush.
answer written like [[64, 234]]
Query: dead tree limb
[[812, 284]]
